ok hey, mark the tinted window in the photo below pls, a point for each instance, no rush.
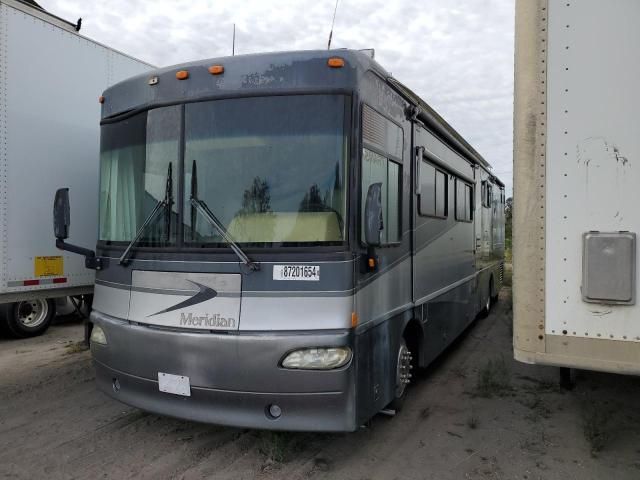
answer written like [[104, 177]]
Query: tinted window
[[378, 169], [464, 202], [433, 191]]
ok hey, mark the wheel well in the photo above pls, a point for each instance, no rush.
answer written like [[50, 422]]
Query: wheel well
[[492, 286], [413, 337]]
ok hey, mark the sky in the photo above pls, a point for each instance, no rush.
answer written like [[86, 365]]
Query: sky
[[458, 56]]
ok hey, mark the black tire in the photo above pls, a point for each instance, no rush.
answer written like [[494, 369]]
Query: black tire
[[403, 367], [495, 292], [28, 318]]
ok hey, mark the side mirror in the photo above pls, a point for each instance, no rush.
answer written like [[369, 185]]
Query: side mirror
[[373, 224], [61, 214]]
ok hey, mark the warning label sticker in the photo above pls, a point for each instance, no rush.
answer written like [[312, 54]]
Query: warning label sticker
[[48, 266]]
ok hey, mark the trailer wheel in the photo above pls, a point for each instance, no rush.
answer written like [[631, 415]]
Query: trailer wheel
[[28, 318], [403, 375]]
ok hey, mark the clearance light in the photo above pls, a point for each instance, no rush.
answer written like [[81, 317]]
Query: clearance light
[[182, 74], [216, 69], [354, 319], [317, 358], [336, 62], [98, 336], [101, 99]]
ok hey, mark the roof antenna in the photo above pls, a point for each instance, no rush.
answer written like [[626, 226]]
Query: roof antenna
[[332, 22], [233, 44]]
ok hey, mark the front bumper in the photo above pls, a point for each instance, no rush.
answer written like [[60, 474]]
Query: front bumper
[[234, 377]]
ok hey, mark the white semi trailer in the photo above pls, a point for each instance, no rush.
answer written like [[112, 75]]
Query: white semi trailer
[[576, 178], [50, 81]]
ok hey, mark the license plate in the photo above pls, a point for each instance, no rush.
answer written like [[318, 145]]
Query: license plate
[[297, 272], [176, 384]]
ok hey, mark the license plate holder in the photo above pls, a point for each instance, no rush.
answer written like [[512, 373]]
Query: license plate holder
[[174, 384]]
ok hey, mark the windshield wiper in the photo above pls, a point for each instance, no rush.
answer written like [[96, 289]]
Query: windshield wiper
[[200, 206], [164, 204]]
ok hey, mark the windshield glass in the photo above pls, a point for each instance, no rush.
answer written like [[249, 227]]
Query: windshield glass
[[271, 169], [135, 154]]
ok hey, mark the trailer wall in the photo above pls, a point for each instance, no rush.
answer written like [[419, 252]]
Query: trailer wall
[[50, 81], [576, 148]]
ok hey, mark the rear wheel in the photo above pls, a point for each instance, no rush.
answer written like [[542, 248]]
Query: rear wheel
[[28, 318], [486, 308], [495, 293], [403, 375]]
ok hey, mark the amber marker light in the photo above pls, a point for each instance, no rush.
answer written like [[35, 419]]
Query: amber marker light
[[336, 62], [372, 263], [216, 69], [101, 99], [354, 319], [182, 74]]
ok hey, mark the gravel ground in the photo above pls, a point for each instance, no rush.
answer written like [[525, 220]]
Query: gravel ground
[[474, 414]]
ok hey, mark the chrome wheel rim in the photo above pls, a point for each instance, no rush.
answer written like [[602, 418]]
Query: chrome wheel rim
[[32, 313], [403, 370]]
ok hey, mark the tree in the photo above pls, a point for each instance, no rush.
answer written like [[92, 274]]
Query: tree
[[508, 221], [256, 199]]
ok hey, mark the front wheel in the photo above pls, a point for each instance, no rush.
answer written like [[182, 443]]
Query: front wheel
[[403, 376], [28, 318]]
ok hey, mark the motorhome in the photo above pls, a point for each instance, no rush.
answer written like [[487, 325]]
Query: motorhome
[[50, 78], [575, 181], [283, 238]]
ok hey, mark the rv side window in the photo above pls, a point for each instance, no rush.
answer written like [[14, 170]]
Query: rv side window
[[464, 202], [378, 169], [433, 191], [487, 194]]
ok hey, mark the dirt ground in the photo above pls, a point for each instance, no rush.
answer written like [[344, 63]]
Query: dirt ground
[[475, 414]]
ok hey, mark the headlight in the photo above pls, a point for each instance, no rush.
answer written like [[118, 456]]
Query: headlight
[[318, 358], [98, 336]]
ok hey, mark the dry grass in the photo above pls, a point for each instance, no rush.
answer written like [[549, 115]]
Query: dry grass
[[494, 379], [76, 347], [596, 428]]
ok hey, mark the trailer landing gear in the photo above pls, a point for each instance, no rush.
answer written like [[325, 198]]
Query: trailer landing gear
[[565, 379]]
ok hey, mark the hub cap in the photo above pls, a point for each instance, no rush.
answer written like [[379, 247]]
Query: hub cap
[[32, 313], [403, 373]]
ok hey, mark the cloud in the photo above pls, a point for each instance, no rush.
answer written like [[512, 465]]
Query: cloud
[[458, 56]]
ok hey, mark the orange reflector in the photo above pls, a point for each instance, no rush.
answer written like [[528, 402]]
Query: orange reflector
[[335, 62], [354, 319], [101, 99], [216, 69], [372, 262], [182, 74]]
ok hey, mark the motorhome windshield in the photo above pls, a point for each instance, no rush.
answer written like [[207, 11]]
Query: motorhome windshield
[[271, 169], [135, 154]]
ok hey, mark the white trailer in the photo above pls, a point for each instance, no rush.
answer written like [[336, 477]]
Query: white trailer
[[50, 81], [576, 178]]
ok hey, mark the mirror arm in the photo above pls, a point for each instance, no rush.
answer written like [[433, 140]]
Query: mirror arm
[[90, 259]]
